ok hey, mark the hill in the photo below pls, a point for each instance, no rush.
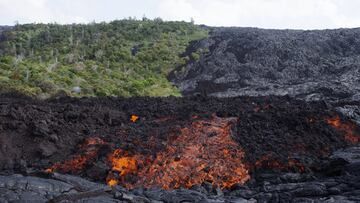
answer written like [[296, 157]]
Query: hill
[[311, 65], [121, 58]]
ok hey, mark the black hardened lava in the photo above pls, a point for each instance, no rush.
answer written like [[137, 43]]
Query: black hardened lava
[[39, 133], [306, 64], [288, 146]]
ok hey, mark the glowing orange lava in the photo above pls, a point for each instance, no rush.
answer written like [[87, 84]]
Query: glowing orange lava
[[134, 118], [203, 152], [122, 162], [112, 182], [78, 162], [347, 127]]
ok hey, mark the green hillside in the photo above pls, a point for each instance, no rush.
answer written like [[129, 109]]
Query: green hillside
[[120, 58]]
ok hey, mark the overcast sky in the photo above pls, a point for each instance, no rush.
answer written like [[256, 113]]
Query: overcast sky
[[294, 14]]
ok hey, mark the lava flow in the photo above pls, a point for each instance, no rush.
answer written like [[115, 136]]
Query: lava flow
[[89, 151], [203, 152], [349, 129]]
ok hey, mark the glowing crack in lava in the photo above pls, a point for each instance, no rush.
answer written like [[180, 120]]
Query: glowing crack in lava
[[202, 152], [134, 118], [75, 165], [122, 163], [347, 127]]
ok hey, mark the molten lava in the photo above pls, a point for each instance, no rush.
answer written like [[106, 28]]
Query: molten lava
[[348, 128], [122, 162], [203, 152], [112, 182], [134, 118], [89, 151]]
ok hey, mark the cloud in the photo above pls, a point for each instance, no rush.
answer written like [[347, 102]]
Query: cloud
[[303, 14], [177, 10], [294, 14], [28, 11], [24, 7]]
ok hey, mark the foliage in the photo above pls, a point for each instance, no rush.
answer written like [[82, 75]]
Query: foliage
[[120, 58]]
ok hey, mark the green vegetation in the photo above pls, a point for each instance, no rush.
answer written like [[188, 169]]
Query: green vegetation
[[121, 58]]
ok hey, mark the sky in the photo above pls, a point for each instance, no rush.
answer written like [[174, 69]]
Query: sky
[[278, 14]]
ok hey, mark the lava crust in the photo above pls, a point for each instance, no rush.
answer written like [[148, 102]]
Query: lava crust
[[210, 138], [310, 65]]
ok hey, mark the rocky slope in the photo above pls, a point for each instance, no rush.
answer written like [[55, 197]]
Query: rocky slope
[[311, 65]]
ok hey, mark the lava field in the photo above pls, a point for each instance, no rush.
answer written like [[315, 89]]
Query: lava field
[[268, 116], [307, 64], [208, 149]]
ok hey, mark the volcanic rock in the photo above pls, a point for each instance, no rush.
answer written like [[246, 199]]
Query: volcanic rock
[[286, 150], [310, 65]]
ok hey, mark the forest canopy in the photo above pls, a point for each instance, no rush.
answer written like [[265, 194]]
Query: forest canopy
[[121, 58]]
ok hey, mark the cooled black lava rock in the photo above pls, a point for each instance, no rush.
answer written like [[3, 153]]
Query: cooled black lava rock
[[311, 65], [268, 129], [272, 187]]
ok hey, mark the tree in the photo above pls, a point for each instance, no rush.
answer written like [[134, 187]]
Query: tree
[[49, 52]]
